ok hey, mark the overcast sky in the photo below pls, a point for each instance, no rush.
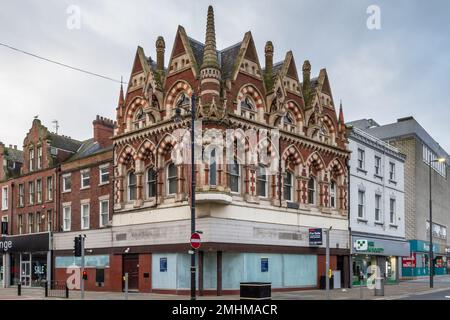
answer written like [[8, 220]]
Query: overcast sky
[[399, 70]]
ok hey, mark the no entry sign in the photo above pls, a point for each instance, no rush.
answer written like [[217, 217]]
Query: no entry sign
[[195, 240]]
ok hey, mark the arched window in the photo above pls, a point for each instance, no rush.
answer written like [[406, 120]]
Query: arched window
[[333, 194], [261, 181], [131, 186], [312, 190], [171, 179], [139, 119], [235, 176], [213, 169], [248, 109], [151, 183], [288, 186]]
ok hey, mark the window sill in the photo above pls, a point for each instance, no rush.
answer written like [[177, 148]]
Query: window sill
[[361, 170], [103, 184], [85, 188], [379, 223], [67, 191], [378, 176], [362, 220], [393, 226], [393, 182]]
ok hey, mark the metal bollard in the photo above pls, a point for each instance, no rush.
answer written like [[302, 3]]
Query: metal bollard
[[19, 289], [46, 289], [126, 285], [67, 292]]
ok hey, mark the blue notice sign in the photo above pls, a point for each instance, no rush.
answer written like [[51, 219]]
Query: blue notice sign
[[163, 265], [264, 264]]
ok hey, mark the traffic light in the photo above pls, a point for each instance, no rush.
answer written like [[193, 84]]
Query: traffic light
[[78, 246], [84, 275]]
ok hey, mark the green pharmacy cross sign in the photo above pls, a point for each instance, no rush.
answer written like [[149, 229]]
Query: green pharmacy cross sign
[[367, 246]]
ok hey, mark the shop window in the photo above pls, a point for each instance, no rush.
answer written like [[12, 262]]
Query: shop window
[[261, 181], [151, 183]]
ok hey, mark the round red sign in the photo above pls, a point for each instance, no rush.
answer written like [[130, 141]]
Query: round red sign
[[195, 240]]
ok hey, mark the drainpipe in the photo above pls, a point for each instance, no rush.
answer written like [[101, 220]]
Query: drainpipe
[[350, 284]]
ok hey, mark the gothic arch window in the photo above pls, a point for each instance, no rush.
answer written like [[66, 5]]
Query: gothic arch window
[[131, 186], [333, 194], [248, 109], [261, 181], [289, 186], [235, 176], [213, 168], [139, 119], [151, 182], [312, 191], [171, 179]]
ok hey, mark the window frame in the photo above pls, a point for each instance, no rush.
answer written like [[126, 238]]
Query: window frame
[[131, 187], [259, 180], [49, 188], [83, 179], [5, 198], [377, 165], [30, 193], [30, 222], [233, 175], [361, 204], [102, 174], [151, 182], [21, 195], [83, 225], [67, 218], [39, 157], [289, 186], [39, 191], [333, 194], [65, 178], [392, 210], [378, 201], [171, 179], [391, 171], [101, 213], [361, 159], [312, 191]]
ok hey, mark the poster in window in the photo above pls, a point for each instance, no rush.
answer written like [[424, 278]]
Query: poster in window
[[264, 264], [163, 265]]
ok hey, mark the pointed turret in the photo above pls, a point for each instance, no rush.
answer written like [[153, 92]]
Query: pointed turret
[[121, 97], [341, 113], [209, 53]]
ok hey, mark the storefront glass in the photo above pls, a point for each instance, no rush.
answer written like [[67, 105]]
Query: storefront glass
[[361, 264], [391, 268], [14, 268], [30, 269], [38, 269]]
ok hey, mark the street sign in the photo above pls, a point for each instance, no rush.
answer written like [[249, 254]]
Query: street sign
[[195, 240], [315, 237]]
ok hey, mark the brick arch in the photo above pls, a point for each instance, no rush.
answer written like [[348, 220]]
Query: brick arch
[[127, 153], [177, 88], [316, 160], [147, 147], [295, 109], [329, 124], [336, 164], [253, 92], [165, 142], [291, 153], [134, 105]]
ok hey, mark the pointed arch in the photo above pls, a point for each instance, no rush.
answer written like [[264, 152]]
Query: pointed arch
[[251, 91], [315, 160], [126, 154], [291, 153], [337, 166], [176, 89], [146, 149]]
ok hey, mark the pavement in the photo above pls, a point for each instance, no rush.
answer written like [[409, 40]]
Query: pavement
[[417, 289]]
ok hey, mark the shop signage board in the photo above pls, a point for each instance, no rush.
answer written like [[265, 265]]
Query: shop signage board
[[409, 262], [315, 237], [25, 243], [367, 246]]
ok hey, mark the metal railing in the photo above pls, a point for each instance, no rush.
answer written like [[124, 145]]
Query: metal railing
[[56, 289]]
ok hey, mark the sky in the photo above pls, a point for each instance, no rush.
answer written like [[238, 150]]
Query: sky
[[399, 69]]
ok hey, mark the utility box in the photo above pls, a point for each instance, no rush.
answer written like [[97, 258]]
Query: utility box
[[337, 279], [256, 291]]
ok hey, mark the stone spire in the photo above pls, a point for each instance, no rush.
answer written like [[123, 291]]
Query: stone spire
[[341, 113], [209, 53], [121, 97]]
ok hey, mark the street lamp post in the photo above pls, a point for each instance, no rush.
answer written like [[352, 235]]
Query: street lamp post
[[177, 118], [431, 258]]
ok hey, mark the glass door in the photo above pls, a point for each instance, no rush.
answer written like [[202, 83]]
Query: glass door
[[25, 270]]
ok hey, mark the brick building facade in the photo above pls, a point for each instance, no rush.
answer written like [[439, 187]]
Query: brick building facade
[[254, 216]]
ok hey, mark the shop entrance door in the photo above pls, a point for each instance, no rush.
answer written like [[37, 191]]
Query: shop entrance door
[[25, 270], [131, 266]]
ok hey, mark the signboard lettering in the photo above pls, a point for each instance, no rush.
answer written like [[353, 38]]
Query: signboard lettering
[[315, 237]]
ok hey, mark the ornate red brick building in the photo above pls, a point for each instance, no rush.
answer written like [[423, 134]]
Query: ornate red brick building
[[255, 224]]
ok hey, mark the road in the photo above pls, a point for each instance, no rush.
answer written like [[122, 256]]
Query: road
[[441, 295]]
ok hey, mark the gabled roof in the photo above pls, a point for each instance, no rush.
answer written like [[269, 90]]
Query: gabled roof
[[88, 148], [228, 57], [63, 142], [14, 155]]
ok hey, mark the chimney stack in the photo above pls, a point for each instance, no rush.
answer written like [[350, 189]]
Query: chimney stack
[[269, 58], [103, 131], [160, 49]]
